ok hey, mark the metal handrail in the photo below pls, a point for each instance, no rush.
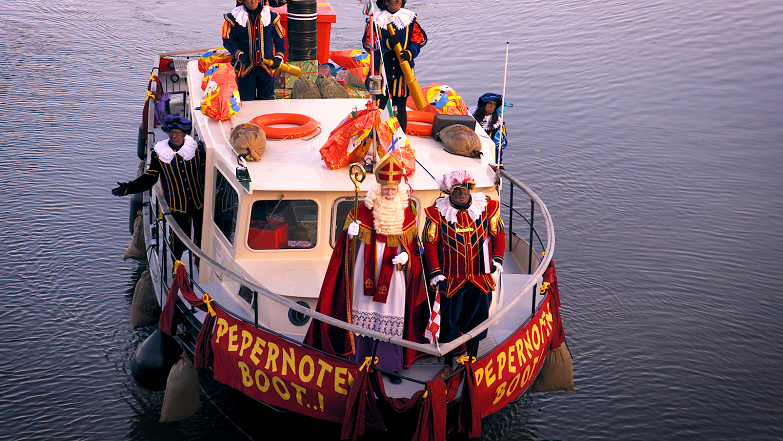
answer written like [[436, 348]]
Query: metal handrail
[[431, 349]]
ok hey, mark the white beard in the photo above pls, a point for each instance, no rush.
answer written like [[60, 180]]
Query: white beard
[[388, 214]]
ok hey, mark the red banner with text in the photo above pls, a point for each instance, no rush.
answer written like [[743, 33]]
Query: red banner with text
[[280, 372], [503, 374]]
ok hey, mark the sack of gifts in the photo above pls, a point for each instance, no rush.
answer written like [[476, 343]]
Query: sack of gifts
[[352, 138], [248, 140]]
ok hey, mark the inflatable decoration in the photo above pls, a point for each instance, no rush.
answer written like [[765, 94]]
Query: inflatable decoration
[[208, 76], [221, 97], [212, 57], [441, 99], [351, 58]]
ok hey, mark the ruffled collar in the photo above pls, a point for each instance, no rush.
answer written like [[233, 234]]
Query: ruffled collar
[[400, 19], [166, 153], [240, 15], [477, 205]]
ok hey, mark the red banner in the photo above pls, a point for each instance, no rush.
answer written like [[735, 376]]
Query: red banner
[[278, 371], [503, 374]]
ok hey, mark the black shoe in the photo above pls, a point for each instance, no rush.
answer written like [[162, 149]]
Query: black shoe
[[395, 379]]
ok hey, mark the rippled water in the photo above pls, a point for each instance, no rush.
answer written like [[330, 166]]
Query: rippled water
[[652, 130]]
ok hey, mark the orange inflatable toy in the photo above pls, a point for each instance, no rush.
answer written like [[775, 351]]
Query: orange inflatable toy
[[441, 99]]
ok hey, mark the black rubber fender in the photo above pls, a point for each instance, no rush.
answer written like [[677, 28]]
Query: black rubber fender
[[136, 202], [152, 361], [141, 146]]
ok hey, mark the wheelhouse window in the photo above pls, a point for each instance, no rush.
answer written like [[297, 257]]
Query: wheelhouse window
[[283, 224], [226, 207], [340, 210]]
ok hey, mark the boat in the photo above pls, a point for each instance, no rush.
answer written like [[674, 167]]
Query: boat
[[241, 303]]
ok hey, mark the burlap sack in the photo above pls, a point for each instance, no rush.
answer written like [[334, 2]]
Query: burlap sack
[[182, 398], [460, 140], [330, 88], [248, 139], [557, 373], [305, 89], [145, 309], [137, 248]]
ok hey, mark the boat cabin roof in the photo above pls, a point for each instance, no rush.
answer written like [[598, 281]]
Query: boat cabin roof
[[296, 164]]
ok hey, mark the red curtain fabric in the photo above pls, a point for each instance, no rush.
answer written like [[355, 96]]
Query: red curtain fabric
[[168, 323], [361, 409], [203, 356], [469, 417], [432, 416], [558, 333]]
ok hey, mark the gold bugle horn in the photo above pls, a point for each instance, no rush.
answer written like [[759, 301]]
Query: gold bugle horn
[[285, 67], [407, 72]]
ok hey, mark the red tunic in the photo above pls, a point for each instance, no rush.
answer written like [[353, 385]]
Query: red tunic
[[456, 250], [335, 298]]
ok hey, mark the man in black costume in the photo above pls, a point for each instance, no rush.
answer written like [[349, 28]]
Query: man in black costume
[[180, 160]]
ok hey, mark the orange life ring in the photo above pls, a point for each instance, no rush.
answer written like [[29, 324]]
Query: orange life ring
[[303, 125], [419, 123]]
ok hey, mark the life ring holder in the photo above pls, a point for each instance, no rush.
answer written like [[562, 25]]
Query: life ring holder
[[419, 123], [303, 125]]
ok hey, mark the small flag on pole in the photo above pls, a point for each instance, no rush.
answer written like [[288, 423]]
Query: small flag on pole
[[433, 325]]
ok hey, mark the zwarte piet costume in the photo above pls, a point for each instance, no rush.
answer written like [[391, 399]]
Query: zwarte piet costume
[[251, 37], [411, 37]]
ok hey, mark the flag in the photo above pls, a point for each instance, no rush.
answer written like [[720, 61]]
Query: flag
[[432, 332]]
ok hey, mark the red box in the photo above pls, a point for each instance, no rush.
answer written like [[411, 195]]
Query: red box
[[273, 235], [326, 17]]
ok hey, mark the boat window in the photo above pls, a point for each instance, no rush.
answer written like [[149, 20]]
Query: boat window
[[283, 224], [340, 210], [226, 207]]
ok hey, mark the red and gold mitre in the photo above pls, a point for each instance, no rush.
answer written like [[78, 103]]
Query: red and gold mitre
[[389, 171]]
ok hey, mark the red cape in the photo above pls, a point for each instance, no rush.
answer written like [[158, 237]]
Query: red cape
[[335, 298]]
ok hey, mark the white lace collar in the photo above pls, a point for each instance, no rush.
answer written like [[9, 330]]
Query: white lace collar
[[477, 205], [240, 15], [400, 19], [167, 154]]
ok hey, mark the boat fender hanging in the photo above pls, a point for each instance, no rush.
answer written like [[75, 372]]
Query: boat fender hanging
[[303, 125], [141, 143], [152, 361], [137, 249], [136, 203], [145, 310], [182, 392]]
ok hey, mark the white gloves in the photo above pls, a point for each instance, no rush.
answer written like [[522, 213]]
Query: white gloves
[[400, 259], [498, 267], [437, 279], [353, 229]]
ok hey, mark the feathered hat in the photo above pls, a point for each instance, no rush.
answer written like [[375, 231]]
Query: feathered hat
[[178, 122], [457, 178]]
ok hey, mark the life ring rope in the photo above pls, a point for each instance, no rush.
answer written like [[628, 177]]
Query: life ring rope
[[303, 125]]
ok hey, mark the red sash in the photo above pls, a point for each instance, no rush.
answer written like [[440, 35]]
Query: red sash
[[380, 290]]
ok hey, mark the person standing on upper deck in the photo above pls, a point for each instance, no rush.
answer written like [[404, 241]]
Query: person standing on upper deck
[[464, 244], [253, 33], [410, 36], [180, 163], [387, 293]]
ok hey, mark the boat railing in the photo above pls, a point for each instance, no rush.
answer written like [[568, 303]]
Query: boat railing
[[432, 349]]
